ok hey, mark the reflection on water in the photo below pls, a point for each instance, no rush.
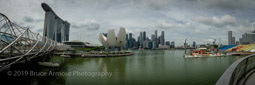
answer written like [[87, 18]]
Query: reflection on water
[[145, 67]]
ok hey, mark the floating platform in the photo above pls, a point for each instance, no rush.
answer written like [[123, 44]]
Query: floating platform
[[105, 55], [199, 56], [97, 54], [48, 64], [66, 56]]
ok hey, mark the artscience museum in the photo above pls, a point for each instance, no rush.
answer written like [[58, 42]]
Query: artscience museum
[[111, 41]]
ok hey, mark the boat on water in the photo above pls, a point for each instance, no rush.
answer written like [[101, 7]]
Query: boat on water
[[204, 52]]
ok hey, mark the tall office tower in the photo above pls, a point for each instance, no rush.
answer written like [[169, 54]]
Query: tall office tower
[[130, 41], [141, 40], [126, 45], [168, 43], [248, 38], [158, 40], [194, 44], [153, 44], [162, 38], [229, 37], [172, 44], [153, 38], [233, 41], [144, 35], [156, 35], [135, 44], [138, 41]]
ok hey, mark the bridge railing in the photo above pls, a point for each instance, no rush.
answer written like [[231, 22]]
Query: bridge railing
[[240, 69]]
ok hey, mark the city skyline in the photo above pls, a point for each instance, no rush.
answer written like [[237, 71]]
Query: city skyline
[[153, 42], [199, 21]]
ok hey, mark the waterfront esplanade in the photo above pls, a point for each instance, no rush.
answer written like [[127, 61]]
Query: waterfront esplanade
[[55, 28]]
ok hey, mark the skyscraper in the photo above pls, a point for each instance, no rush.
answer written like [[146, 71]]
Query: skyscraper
[[58, 33], [162, 38], [130, 41], [168, 43], [194, 44], [229, 37], [153, 41], [141, 40], [156, 40], [66, 33], [248, 38], [233, 41], [172, 45], [54, 27], [144, 35], [135, 44], [156, 33], [126, 45], [147, 44], [153, 38], [49, 21], [138, 41]]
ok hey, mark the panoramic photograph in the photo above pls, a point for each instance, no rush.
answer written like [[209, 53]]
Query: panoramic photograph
[[127, 42]]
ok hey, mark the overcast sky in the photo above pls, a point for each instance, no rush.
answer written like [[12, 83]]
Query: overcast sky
[[197, 20]]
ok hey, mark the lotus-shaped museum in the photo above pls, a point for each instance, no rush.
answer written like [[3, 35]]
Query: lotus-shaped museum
[[109, 39]]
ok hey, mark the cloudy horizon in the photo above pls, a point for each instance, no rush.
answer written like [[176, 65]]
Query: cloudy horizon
[[201, 21]]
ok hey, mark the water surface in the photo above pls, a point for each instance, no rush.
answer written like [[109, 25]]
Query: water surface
[[145, 67]]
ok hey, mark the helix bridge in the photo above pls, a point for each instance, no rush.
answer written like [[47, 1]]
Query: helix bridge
[[19, 44]]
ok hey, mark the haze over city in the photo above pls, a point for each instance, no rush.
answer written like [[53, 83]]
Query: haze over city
[[197, 20]]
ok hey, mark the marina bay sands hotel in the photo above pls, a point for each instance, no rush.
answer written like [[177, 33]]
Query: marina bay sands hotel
[[55, 28]]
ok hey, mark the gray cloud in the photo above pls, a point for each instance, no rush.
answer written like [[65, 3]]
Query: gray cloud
[[87, 24], [171, 25], [223, 21], [90, 26], [202, 16], [28, 19], [39, 30], [211, 4], [31, 20], [229, 4]]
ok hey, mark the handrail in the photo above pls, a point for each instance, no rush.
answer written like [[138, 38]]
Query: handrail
[[237, 71]]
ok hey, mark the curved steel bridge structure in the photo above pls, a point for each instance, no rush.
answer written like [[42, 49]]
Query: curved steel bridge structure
[[19, 44]]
